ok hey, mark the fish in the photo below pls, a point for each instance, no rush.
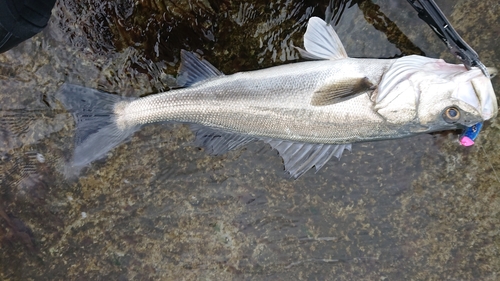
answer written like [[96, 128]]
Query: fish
[[309, 111]]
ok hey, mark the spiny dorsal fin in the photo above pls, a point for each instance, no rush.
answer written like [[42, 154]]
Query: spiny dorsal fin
[[194, 69], [301, 157], [340, 90], [321, 42], [298, 157]]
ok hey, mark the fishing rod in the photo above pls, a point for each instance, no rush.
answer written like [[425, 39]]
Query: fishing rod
[[429, 12]]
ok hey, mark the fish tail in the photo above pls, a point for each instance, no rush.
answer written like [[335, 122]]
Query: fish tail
[[97, 130]]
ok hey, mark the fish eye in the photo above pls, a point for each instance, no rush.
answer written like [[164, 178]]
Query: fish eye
[[451, 115]]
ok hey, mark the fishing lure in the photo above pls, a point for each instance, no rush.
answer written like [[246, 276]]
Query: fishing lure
[[470, 134]]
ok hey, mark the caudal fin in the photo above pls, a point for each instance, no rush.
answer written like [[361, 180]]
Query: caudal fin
[[96, 129]]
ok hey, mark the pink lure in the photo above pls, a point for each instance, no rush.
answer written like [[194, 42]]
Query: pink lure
[[466, 141]]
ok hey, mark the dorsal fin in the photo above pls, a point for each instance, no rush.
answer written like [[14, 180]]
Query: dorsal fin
[[217, 142], [194, 69], [298, 157], [321, 42], [301, 157]]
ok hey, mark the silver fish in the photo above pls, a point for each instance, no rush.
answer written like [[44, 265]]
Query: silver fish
[[308, 111]]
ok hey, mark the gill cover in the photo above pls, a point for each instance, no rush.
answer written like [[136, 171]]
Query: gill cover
[[416, 74]]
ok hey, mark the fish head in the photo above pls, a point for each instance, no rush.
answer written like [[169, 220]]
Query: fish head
[[442, 95], [452, 96]]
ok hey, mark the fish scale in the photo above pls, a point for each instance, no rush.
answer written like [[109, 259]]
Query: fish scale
[[278, 107]]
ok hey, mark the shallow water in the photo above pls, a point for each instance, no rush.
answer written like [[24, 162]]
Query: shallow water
[[160, 209]]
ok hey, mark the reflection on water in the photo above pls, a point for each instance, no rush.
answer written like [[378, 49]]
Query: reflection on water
[[159, 208]]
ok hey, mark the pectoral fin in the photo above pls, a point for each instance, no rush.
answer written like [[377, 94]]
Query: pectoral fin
[[341, 90]]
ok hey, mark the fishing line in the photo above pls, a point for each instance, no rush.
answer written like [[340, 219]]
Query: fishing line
[[489, 162]]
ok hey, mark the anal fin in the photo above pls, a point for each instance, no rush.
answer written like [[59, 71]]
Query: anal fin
[[194, 69]]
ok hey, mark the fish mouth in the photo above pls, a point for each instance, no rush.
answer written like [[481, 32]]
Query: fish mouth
[[478, 92]]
